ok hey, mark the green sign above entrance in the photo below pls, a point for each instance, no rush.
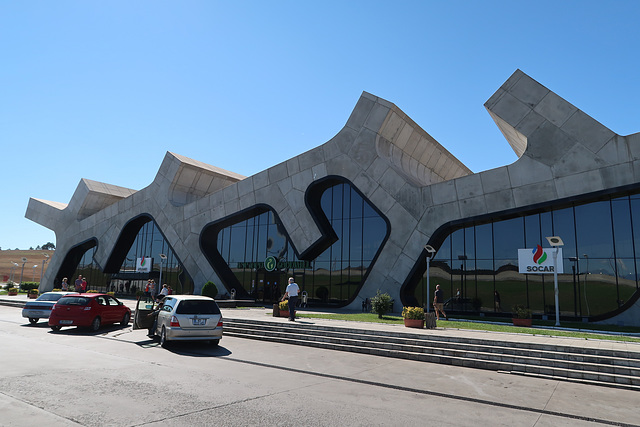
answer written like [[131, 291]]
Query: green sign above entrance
[[272, 263]]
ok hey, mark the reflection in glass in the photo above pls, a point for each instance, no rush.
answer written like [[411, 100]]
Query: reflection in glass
[[601, 265], [335, 275]]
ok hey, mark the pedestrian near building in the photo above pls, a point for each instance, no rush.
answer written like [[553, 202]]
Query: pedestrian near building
[[496, 300], [64, 286], [438, 303], [292, 292], [78, 284]]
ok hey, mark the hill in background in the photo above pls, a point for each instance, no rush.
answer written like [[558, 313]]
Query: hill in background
[[33, 258]]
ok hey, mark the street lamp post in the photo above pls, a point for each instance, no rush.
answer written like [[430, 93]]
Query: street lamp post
[[46, 258], [163, 257], [430, 252], [12, 275], [556, 242], [574, 268], [34, 273], [24, 261]]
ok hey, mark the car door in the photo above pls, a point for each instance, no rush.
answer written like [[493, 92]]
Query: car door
[[103, 309], [164, 317], [142, 318], [116, 309]]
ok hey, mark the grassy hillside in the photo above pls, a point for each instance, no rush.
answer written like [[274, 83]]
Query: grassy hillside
[[33, 258]]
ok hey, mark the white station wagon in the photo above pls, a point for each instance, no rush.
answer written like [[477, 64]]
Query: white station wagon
[[182, 318]]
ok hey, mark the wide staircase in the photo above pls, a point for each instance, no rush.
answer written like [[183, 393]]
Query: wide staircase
[[603, 367]]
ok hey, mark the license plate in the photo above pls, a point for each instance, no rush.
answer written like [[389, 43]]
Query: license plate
[[198, 322], [66, 322]]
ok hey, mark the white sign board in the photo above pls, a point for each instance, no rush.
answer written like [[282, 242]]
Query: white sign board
[[539, 260], [143, 265]]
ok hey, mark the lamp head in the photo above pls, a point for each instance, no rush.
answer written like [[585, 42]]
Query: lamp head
[[555, 241]]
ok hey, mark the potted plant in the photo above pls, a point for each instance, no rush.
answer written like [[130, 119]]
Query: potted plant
[[521, 316], [33, 293], [12, 291], [284, 308], [413, 317]]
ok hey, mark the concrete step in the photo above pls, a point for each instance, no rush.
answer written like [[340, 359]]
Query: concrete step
[[598, 366]]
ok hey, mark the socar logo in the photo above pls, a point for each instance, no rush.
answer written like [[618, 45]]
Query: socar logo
[[539, 256]]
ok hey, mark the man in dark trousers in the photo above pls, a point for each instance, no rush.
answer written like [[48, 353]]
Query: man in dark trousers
[[292, 292]]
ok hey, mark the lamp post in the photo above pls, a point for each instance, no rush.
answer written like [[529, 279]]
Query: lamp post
[[463, 288], [430, 252], [13, 266], [574, 268], [163, 257], [556, 242], [24, 261], [46, 258], [34, 273]]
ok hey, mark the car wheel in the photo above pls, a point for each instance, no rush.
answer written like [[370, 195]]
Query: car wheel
[[55, 328], [215, 343], [125, 319], [163, 338], [33, 320], [95, 325]]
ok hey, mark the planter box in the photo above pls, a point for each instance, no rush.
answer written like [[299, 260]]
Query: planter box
[[521, 322], [414, 323], [32, 296], [12, 294], [284, 313]]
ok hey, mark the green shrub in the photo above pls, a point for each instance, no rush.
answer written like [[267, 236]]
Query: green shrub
[[381, 304], [209, 289], [9, 285], [521, 312], [283, 305], [27, 286], [413, 313]]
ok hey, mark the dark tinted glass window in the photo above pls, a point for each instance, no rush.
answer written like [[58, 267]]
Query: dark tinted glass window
[[73, 301], [508, 236], [49, 297], [198, 307], [593, 223]]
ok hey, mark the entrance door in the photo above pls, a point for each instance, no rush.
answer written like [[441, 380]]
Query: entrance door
[[270, 286]]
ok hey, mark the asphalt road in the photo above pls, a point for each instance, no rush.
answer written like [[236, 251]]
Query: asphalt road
[[118, 377]]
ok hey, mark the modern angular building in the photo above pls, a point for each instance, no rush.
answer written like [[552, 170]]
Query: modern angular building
[[353, 216]]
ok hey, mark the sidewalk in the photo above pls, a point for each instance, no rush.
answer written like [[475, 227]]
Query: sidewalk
[[265, 315]]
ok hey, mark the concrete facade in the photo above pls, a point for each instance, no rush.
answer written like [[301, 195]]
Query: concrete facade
[[414, 181]]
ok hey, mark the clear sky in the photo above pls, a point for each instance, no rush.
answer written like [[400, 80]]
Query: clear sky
[[103, 89]]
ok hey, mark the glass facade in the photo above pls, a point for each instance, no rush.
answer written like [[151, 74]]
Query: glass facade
[[333, 277], [148, 242], [600, 260]]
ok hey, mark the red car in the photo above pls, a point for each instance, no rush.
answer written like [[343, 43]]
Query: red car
[[90, 310]]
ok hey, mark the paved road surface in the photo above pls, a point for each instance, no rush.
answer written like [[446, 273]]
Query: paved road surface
[[118, 377]]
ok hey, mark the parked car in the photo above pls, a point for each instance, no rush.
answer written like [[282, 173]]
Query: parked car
[[90, 310], [182, 318], [40, 308]]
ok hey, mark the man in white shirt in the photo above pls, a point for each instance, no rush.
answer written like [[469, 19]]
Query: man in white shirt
[[292, 292]]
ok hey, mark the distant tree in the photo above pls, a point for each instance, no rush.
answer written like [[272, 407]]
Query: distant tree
[[31, 248], [48, 246], [38, 248]]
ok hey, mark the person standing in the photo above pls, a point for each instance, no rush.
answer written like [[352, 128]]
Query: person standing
[[65, 285], [496, 300], [84, 285], [78, 284], [438, 303], [292, 292]]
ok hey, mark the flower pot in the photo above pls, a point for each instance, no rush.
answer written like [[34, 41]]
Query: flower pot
[[32, 296], [12, 294], [284, 313], [521, 322], [414, 323]]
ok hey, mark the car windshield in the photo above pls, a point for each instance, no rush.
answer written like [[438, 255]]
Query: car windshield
[[49, 297], [198, 307], [73, 301]]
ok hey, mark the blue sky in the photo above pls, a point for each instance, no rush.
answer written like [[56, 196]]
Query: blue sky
[[102, 90]]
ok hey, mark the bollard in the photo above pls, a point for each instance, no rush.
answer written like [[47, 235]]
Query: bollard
[[430, 320]]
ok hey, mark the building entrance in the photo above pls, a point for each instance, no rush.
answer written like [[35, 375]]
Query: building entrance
[[270, 286]]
